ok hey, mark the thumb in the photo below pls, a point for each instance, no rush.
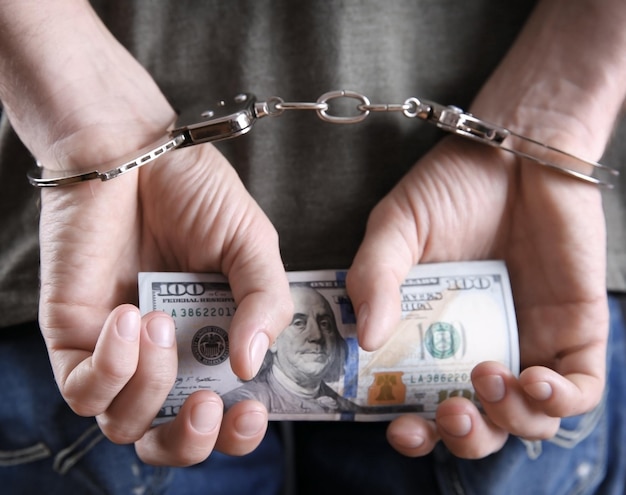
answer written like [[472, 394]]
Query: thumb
[[381, 264], [260, 288], [436, 212], [261, 291]]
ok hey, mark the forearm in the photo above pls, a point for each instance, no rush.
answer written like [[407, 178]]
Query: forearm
[[70, 89], [564, 80]]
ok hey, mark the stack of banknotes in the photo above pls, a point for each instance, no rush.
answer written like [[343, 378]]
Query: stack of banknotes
[[454, 316]]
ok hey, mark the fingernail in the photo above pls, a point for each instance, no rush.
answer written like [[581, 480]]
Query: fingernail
[[491, 388], [539, 390], [456, 425], [161, 332], [128, 325], [250, 424], [407, 441], [258, 348], [206, 416]]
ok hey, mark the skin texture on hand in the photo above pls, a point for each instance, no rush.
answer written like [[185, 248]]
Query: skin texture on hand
[[467, 201], [78, 100], [563, 83], [188, 212]]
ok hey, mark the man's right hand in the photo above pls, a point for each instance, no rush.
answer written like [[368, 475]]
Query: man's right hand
[[78, 100], [188, 212]]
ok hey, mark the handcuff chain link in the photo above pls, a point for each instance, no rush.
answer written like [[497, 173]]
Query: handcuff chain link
[[276, 106]]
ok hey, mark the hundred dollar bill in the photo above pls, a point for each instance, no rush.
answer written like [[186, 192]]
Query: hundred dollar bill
[[454, 316]]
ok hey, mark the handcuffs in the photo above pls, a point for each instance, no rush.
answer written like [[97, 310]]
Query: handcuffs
[[235, 117]]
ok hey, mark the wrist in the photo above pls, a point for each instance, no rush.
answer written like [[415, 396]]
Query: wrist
[[73, 94], [564, 80]]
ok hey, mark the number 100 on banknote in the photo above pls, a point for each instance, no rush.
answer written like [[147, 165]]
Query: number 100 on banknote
[[454, 316]]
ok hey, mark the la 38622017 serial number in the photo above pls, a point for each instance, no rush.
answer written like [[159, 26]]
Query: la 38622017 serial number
[[213, 312]]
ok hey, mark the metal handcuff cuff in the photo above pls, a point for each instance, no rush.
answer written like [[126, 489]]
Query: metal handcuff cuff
[[236, 117]]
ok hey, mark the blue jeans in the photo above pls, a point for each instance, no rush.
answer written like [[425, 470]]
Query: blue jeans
[[44, 447]]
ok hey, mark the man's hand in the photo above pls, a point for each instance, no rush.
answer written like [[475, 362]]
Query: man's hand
[[186, 212], [467, 201], [79, 100], [562, 83]]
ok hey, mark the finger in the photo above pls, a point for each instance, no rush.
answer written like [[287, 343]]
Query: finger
[[219, 227], [561, 396], [132, 411], [261, 290], [380, 266], [189, 438], [96, 380], [466, 432], [508, 406], [243, 428], [412, 436]]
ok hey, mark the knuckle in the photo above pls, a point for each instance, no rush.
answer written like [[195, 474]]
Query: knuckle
[[537, 430], [118, 434], [115, 371], [156, 379], [87, 398], [542, 434], [83, 407], [472, 451], [189, 455], [478, 447]]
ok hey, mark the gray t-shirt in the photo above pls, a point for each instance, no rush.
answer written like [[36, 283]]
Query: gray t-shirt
[[316, 181]]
